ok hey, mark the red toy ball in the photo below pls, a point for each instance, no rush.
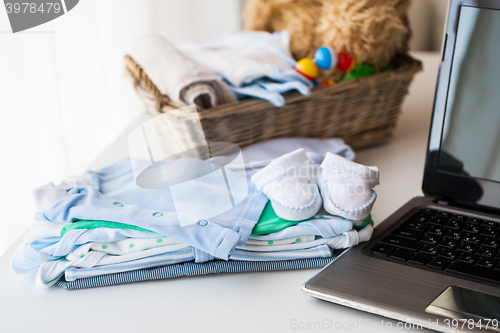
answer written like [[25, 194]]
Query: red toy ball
[[346, 62]]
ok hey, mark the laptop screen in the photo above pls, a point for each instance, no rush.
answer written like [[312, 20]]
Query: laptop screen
[[470, 139]]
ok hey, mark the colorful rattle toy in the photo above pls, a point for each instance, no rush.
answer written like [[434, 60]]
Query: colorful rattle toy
[[307, 68], [346, 62], [325, 58]]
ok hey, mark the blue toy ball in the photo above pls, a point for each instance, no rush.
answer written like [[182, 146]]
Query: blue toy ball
[[325, 58]]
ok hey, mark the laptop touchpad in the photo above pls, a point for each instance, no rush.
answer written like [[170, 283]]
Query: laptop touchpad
[[464, 304]]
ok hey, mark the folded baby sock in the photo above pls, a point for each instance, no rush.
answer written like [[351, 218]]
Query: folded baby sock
[[347, 187], [288, 183]]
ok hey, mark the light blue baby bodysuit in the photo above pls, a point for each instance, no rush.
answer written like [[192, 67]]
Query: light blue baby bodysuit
[[114, 196], [37, 251], [73, 273]]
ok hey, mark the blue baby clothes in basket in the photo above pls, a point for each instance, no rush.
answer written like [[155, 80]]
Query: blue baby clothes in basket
[[254, 64]]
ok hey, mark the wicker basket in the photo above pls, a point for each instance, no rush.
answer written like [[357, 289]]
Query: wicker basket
[[362, 112]]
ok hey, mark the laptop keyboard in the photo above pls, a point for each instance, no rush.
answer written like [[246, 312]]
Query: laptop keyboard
[[445, 242]]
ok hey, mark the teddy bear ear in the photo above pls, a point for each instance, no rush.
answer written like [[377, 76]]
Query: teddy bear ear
[[402, 8], [257, 15]]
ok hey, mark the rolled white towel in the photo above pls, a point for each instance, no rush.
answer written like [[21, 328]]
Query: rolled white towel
[[180, 78]]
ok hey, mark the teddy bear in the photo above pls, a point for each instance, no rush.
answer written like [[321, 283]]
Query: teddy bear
[[372, 31]]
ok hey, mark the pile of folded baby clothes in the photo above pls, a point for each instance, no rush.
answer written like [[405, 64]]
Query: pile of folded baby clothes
[[231, 67], [101, 228]]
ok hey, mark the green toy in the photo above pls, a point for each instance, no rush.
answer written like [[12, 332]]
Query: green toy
[[360, 71]]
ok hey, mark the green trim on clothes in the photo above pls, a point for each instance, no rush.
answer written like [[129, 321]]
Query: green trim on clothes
[[269, 222], [89, 224], [364, 223]]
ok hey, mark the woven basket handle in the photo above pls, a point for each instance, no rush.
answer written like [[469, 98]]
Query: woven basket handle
[[140, 79]]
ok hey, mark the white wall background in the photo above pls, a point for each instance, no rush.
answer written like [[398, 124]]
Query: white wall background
[[428, 19], [64, 96]]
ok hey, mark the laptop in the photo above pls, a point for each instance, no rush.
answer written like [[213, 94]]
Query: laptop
[[435, 262]]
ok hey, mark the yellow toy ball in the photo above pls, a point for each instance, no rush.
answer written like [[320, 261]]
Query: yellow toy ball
[[308, 68]]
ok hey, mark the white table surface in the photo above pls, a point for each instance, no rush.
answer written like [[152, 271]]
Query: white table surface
[[239, 302]]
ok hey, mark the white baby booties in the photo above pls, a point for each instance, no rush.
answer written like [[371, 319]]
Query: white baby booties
[[290, 185], [347, 187]]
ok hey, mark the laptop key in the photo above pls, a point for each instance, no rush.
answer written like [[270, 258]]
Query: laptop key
[[490, 233], [438, 220], [450, 254], [431, 249], [439, 263], [473, 229], [468, 248], [450, 244], [455, 224], [445, 214], [473, 220], [488, 263], [419, 226], [487, 252], [469, 258], [452, 234], [420, 217], [460, 217], [402, 255], [420, 259], [491, 243], [402, 243], [490, 224], [465, 269], [383, 250], [431, 239], [474, 239], [435, 230], [408, 233]]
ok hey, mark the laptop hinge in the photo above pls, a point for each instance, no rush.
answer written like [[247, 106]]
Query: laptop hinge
[[445, 201]]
